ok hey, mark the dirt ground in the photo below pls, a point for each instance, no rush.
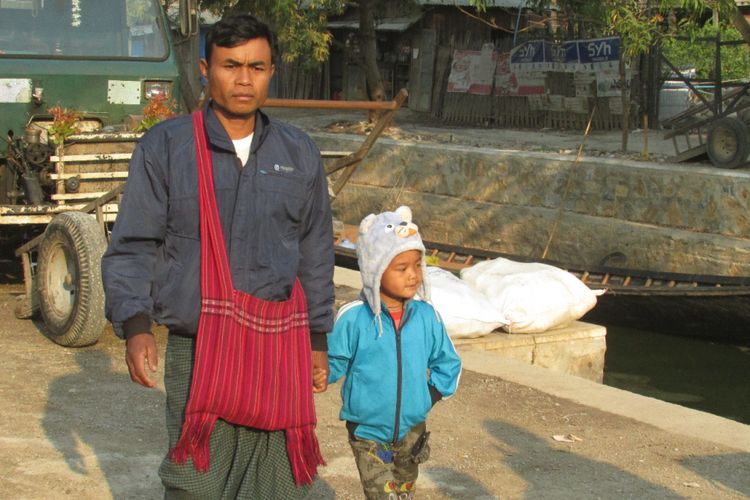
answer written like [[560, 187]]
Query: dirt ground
[[74, 426]]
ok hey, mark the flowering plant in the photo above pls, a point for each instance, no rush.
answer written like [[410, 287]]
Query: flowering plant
[[159, 108], [64, 123]]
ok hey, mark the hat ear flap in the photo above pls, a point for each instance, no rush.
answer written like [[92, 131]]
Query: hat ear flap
[[404, 212], [366, 223]]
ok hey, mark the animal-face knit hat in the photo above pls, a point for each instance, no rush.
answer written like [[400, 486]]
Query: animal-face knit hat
[[381, 238]]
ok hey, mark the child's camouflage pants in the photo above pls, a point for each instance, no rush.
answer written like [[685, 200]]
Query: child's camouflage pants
[[390, 471]]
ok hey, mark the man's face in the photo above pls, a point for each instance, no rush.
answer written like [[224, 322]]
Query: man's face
[[238, 77]]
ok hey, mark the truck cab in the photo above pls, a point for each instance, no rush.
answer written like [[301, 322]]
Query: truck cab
[[100, 63], [105, 59]]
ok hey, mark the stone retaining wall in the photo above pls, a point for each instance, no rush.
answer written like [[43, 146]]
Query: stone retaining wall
[[674, 218]]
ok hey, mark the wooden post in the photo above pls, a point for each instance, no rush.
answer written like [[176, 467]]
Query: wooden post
[[60, 170]]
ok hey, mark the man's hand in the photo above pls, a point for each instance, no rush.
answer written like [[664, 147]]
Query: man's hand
[[320, 371], [141, 349]]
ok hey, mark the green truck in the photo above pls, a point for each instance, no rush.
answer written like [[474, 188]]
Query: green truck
[[104, 60]]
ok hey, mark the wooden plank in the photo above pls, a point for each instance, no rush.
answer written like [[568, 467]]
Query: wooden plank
[[91, 175], [94, 157], [442, 71], [25, 219], [13, 210], [78, 196], [109, 212], [689, 154], [335, 154], [422, 69]]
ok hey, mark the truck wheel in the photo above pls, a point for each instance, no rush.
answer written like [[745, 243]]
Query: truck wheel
[[71, 296], [728, 143]]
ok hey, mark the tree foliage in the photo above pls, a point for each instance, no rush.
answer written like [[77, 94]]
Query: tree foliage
[[735, 60], [300, 25], [640, 23]]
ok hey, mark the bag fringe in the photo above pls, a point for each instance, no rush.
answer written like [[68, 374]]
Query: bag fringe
[[304, 453], [195, 441]]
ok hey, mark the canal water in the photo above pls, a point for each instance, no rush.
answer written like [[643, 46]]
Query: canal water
[[696, 373]]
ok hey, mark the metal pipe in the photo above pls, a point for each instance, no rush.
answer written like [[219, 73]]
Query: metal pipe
[[321, 104]]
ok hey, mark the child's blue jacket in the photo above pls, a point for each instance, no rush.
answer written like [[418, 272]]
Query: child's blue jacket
[[374, 363]]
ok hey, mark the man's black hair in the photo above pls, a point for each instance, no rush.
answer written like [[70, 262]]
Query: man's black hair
[[237, 29]]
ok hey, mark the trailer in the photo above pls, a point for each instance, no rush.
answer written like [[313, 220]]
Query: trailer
[[718, 124]]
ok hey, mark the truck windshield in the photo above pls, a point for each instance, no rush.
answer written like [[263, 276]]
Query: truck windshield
[[108, 29]]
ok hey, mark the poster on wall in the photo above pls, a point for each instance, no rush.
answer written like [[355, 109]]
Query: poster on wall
[[523, 70], [472, 71], [609, 83], [506, 82], [520, 82], [576, 55], [560, 56], [529, 54], [599, 54]]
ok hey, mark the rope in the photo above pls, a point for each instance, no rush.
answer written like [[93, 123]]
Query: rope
[[567, 184]]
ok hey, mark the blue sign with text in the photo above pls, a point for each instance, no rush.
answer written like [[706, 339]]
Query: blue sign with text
[[599, 50]]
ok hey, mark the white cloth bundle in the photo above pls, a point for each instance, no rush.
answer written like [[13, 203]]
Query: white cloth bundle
[[531, 297], [465, 312]]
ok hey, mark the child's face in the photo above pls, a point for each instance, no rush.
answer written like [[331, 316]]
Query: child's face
[[401, 278]]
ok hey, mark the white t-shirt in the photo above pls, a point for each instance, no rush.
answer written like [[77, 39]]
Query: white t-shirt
[[242, 148]]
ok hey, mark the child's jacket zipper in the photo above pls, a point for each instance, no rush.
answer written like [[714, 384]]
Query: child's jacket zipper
[[399, 374]]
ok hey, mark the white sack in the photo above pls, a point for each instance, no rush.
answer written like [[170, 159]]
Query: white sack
[[465, 312], [531, 297]]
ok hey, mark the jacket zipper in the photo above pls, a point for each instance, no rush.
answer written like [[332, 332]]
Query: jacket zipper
[[399, 375]]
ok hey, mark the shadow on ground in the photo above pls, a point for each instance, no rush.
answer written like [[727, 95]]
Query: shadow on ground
[[89, 419], [731, 471], [554, 473]]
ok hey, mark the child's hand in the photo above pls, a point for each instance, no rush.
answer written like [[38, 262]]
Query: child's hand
[[320, 380], [320, 371]]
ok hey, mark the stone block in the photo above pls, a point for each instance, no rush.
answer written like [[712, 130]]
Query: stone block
[[577, 349]]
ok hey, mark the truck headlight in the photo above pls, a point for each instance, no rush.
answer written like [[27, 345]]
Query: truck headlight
[[152, 89]]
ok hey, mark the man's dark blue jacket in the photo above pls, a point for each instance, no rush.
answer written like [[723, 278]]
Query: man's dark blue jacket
[[275, 214]]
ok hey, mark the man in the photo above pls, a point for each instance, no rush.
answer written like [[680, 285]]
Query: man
[[270, 194]]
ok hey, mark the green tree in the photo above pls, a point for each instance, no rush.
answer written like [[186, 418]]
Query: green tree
[[301, 28], [639, 23], [299, 25], [735, 60]]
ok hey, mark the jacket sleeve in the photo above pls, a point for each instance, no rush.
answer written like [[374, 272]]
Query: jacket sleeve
[[316, 255], [129, 262], [444, 363], [342, 346]]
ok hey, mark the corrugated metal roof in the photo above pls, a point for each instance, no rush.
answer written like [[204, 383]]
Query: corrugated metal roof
[[388, 24], [513, 4]]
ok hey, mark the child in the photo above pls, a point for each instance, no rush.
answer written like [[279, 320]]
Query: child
[[396, 355]]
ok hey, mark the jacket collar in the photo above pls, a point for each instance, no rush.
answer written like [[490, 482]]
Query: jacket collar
[[218, 137], [384, 309]]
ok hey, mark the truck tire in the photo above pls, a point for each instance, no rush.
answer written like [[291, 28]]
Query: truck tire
[[728, 143], [71, 296]]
